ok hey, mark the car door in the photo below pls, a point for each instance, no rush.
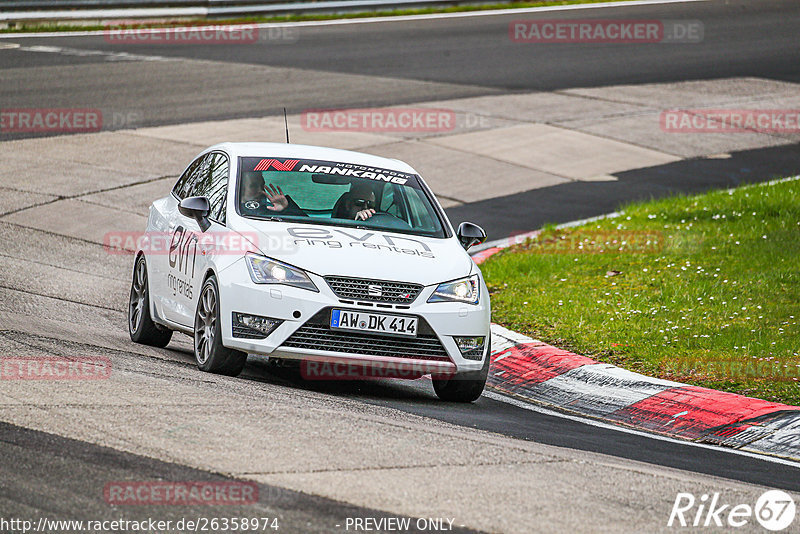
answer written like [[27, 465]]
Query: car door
[[161, 227], [191, 249]]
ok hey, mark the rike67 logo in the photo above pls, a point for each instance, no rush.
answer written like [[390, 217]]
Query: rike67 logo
[[774, 510]]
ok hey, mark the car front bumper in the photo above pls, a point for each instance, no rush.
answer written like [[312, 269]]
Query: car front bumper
[[304, 333]]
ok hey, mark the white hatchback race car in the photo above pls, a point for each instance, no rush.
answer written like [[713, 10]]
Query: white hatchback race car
[[342, 260]]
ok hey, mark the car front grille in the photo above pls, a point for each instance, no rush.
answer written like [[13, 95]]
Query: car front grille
[[316, 335], [373, 290]]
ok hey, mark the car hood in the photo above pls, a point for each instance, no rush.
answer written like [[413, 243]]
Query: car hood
[[345, 251]]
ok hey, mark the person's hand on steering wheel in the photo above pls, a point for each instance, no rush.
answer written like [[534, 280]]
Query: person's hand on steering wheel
[[365, 209], [363, 215]]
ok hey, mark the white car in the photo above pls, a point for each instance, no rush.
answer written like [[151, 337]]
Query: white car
[[345, 261]]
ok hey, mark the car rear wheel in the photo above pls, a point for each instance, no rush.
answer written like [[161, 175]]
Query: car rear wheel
[[141, 327], [463, 387], [209, 352]]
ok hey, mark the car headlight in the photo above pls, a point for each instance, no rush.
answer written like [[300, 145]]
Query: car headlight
[[464, 290], [264, 270]]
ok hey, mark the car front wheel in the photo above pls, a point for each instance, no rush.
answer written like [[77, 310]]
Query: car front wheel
[[209, 352], [463, 387]]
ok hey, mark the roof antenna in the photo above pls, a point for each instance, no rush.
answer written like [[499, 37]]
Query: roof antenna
[[286, 124]]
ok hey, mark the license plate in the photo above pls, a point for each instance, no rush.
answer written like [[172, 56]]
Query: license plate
[[377, 323]]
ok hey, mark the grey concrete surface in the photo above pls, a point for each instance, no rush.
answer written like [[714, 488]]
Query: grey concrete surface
[[645, 131], [558, 151], [75, 218], [134, 198], [460, 177], [13, 200], [265, 129]]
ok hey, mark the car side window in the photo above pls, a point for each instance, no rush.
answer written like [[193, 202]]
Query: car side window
[[185, 185], [217, 190], [207, 176]]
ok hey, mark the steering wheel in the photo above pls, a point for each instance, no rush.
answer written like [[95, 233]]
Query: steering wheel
[[388, 220]]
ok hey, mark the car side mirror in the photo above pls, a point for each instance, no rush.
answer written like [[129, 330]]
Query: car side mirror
[[470, 234], [198, 208]]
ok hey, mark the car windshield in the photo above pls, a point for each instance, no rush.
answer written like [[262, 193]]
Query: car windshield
[[342, 194]]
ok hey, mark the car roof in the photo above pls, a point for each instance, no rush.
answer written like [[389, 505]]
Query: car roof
[[287, 150]]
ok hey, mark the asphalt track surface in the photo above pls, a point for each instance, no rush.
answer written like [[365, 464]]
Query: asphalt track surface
[[425, 60], [58, 477], [495, 416]]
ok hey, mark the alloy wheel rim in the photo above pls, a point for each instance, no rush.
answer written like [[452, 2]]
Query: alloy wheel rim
[[138, 292], [205, 324]]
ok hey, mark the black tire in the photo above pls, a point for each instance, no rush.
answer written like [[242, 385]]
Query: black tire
[[210, 354], [141, 327], [463, 387]]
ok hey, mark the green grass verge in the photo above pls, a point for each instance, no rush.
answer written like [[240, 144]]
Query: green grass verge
[[700, 289], [49, 27]]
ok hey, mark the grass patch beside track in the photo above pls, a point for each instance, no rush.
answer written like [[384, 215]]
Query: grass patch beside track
[[298, 17], [700, 289]]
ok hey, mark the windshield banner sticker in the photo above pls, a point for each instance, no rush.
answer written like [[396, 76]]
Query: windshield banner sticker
[[335, 168]]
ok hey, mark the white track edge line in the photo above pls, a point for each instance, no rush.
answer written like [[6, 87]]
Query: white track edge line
[[619, 428]]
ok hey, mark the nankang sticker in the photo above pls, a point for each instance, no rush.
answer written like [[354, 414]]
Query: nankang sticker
[[331, 167], [358, 173], [252, 204]]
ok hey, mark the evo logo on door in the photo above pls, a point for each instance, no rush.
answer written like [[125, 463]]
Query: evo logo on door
[[182, 244], [182, 252]]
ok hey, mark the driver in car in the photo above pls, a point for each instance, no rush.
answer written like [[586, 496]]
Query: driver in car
[[259, 200], [360, 203]]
